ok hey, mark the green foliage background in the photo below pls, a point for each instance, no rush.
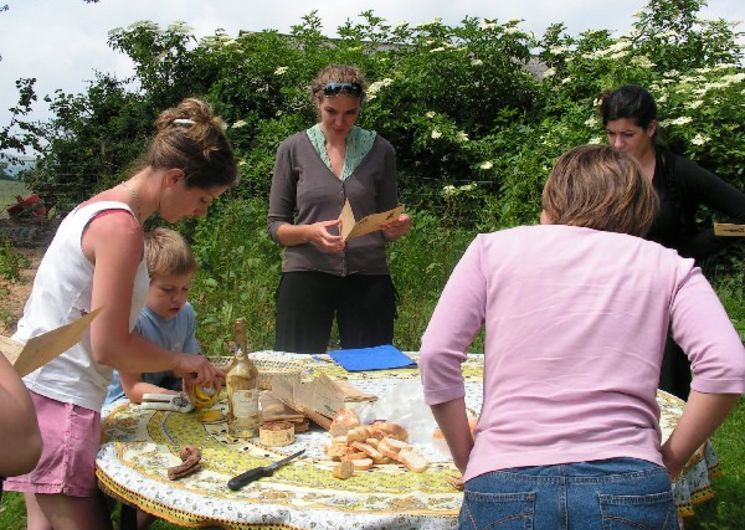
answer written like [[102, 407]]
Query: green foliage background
[[478, 113]]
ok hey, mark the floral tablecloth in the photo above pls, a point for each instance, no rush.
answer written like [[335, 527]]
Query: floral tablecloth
[[139, 445]]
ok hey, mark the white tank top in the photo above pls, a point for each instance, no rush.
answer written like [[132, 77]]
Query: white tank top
[[61, 294]]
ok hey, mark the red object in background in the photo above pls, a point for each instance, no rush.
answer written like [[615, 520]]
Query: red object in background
[[33, 206]]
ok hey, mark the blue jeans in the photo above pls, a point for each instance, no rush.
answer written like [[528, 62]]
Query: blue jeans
[[614, 494]]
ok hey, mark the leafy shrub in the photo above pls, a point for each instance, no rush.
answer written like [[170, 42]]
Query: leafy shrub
[[12, 261], [477, 111]]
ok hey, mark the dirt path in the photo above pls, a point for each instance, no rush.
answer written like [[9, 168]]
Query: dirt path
[[13, 294]]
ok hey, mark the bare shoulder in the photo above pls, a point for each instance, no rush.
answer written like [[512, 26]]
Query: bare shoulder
[[114, 232]]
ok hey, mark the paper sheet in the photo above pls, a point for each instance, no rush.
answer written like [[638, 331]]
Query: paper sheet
[[38, 351], [729, 229], [318, 399], [351, 228]]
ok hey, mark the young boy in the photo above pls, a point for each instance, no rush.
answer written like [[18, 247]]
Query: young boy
[[167, 319]]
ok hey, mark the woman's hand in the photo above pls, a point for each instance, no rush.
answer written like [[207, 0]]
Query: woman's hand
[[319, 235], [397, 227], [198, 370], [673, 463]]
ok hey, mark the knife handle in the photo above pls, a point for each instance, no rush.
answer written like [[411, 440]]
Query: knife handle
[[241, 480]]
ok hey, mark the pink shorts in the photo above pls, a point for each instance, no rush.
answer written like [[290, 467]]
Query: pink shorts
[[71, 437]]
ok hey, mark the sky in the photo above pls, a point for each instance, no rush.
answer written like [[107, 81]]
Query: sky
[[62, 43]]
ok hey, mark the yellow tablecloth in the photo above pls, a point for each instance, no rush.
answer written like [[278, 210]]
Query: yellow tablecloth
[[139, 445]]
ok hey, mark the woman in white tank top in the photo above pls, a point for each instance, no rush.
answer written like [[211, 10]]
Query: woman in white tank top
[[96, 261]]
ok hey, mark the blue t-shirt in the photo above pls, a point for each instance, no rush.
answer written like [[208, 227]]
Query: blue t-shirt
[[174, 334]]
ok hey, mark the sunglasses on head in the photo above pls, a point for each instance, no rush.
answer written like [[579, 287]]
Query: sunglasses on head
[[332, 89]]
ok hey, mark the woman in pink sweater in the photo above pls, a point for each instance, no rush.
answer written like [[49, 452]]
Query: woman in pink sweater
[[576, 311]]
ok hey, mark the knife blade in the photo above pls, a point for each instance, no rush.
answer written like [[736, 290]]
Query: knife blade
[[256, 473]]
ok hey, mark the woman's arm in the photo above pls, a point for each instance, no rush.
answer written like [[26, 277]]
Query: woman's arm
[[134, 387], [706, 188], [701, 326], [282, 205], [453, 422], [457, 318], [114, 244], [702, 415], [317, 233], [388, 196], [19, 432]]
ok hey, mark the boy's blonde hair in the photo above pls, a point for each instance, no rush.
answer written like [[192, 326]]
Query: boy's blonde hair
[[168, 253]]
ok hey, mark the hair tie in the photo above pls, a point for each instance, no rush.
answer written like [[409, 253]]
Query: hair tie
[[183, 121]]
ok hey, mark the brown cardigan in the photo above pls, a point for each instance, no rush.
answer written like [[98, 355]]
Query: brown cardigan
[[305, 191]]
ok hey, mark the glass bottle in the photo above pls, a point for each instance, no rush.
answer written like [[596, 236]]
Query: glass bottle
[[242, 381]]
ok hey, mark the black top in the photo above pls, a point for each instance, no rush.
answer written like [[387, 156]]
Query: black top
[[682, 187]]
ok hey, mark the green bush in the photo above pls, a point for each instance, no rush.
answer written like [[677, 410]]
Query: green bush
[[12, 261]]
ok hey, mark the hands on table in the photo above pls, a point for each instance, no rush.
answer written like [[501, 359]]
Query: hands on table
[[198, 370]]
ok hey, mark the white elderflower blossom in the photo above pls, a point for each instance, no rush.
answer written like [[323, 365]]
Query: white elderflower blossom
[[449, 190], [700, 139], [615, 51], [511, 30], [435, 134], [239, 124], [476, 62], [724, 66], [592, 121], [488, 164], [431, 114], [486, 24], [180, 27], [434, 21], [642, 61], [468, 187], [692, 79], [618, 55], [733, 78], [682, 120], [280, 70], [375, 87], [595, 140], [438, 49], [462, 136], [550, 72], [557, 50], [696, 103]]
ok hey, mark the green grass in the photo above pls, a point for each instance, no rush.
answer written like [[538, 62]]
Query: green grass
[[727, 510]]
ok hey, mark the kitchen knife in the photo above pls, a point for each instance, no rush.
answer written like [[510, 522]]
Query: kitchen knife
[[256, 473]]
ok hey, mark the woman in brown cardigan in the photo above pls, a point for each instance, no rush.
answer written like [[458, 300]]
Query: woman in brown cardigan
[[323, 276]]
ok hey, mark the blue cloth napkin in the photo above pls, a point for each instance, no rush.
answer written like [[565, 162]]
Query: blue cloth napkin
[[376, 358]]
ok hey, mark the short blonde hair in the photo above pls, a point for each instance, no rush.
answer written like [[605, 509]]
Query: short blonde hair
[[168, 253], [597, 187]]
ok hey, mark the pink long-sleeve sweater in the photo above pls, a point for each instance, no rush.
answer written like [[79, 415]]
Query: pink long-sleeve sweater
[[575, 323]]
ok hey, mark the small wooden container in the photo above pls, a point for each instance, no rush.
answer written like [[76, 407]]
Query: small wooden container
[[276, 433]]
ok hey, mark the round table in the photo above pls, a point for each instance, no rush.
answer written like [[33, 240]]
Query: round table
[[139, 445]]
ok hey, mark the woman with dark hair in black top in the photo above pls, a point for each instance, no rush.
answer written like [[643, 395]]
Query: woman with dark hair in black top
[[629, 116]]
